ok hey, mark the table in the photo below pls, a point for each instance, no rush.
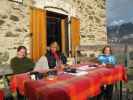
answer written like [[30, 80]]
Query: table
[[65, 87], [1, 95], [17, 82], [69, 87]]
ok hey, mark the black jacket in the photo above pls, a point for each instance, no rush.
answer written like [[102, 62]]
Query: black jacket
[[52, 61], [21, 65]]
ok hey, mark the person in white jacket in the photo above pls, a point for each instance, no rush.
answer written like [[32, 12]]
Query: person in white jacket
[[41, 65]]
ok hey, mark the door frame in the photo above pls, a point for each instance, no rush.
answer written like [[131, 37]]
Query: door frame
[[64, 31]]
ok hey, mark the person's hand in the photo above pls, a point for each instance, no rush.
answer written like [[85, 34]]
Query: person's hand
[[102, 65], [109, 65], [62, 66]]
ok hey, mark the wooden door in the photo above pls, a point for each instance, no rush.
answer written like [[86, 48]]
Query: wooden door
[[38, 31]]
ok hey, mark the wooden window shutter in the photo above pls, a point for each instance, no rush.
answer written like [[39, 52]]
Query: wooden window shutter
[[63, 35], [38, 31], [75, 34]]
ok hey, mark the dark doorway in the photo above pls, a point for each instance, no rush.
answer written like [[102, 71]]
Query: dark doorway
[[54, 29]]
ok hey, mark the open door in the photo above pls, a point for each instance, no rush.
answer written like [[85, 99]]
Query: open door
[[38, 31], [57, 30], [75, 34]]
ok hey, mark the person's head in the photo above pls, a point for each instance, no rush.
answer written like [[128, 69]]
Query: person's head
[[107, 50], [21, 51], [54, 46]]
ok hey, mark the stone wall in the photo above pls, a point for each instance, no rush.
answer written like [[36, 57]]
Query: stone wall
[[92, 16], [14, 29], [14, 22]]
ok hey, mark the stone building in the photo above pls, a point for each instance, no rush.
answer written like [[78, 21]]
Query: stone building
[[15, 22]]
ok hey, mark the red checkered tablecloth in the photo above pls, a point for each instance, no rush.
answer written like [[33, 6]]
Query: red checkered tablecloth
[[69, 87], [17, 82], [1, 95], [65, 87]]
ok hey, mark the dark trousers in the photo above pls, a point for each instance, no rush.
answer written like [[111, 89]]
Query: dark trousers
[[19, 96], [106, 93]]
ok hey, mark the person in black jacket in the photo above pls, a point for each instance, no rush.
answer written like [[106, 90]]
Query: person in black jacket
[[21, 63], [54, 57]]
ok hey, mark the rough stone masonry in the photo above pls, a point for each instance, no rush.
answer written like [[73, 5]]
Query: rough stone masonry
[[14, 23]]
